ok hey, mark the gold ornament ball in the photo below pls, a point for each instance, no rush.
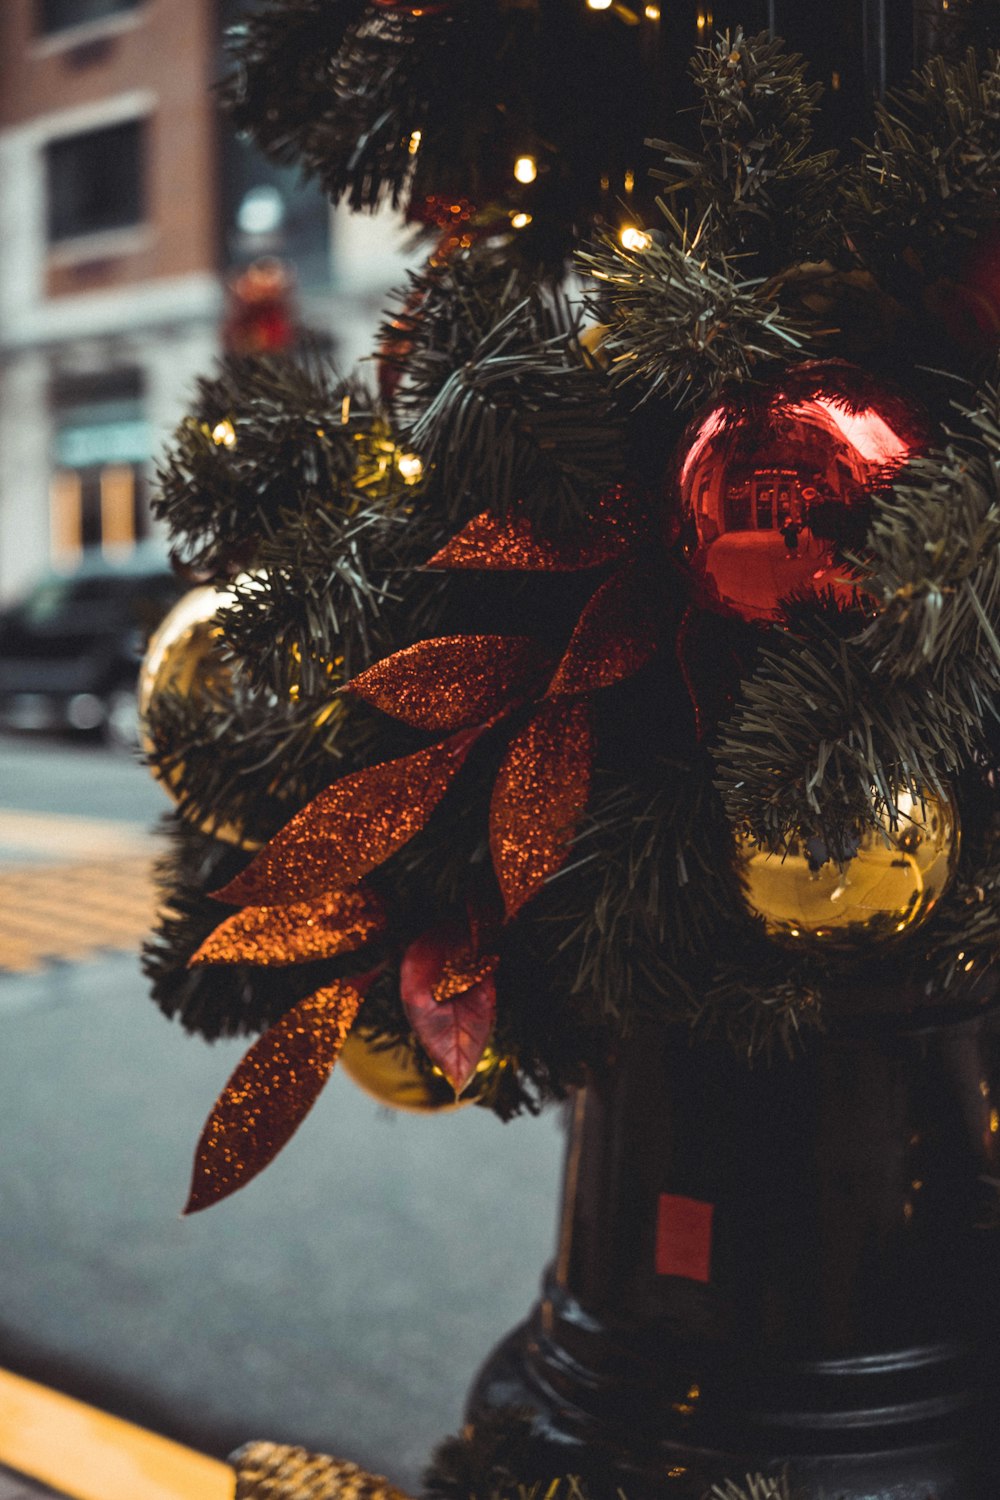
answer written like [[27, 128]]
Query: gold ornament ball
[[888, 888], [184, 657], [391, 1076]]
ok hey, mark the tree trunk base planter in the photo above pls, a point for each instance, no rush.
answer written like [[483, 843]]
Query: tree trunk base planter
[[794, 1265]]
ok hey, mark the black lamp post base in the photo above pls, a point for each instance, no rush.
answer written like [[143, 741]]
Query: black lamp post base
[[928, 1448], [788, 1267]]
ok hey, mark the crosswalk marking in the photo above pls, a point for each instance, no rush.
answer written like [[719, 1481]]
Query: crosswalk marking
[[68, 912], [66, 836]]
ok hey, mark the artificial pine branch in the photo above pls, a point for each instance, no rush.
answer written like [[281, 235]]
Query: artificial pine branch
[[754, 183], [332, 592], [283, 54], [820, 743], [647, 887], [681, 325], [265, 436], [440, 318], [935, 571], [929, 185], [524, 420]]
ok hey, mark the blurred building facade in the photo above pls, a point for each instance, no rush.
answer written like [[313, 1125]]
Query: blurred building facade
[[126, 204]]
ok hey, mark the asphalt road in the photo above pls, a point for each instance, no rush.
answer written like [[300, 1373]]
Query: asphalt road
[[343, 1300]]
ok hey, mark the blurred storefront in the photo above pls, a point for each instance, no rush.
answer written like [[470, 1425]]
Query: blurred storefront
[[127, 205]]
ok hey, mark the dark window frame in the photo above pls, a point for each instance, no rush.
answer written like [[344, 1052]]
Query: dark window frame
[[53, 17], [96, 181]]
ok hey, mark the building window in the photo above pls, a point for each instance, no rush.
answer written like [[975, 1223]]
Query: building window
[[95, 181], [61, 15], [102, 452]]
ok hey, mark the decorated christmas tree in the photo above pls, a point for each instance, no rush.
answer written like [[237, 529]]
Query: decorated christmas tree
[[600, 701]]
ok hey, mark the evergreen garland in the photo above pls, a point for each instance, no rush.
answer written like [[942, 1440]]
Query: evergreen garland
[[517, 409]]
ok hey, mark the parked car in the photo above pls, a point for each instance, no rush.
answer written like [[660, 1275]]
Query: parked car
[[70, 649]]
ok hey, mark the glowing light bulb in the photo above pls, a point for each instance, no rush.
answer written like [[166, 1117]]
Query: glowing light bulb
[[520, 221], [224, 434], [633, 238], [599, 4], [652, 12], [415, 140], [410, 466], [525, 169], [629, 180]]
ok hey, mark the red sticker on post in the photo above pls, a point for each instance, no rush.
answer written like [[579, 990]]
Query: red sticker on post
[[684, 1238]]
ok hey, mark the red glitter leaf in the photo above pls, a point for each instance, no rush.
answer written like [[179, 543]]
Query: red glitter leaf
[[540, 795], [350, 828], [449, 682], [270, 1093], [336, 922], [614, 637], [449, 997], [512, 544]]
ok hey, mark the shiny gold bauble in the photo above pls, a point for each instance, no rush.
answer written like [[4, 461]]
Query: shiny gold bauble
[[888, 888], [185, 657], [392, 1076]]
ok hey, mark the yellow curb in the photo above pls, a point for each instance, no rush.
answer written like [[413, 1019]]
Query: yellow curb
[[85, 1454]]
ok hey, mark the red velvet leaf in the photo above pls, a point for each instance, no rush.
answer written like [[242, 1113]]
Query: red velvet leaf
[[614, 637], [350, 828], [336, 922], [450, 682], [270, 1093], [540, 795], [449, 997], [512, 544]]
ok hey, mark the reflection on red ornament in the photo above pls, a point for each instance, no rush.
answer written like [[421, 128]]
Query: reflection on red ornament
[[775, 483]]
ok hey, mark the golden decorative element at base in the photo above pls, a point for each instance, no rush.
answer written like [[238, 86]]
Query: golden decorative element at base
[[272, 1471]]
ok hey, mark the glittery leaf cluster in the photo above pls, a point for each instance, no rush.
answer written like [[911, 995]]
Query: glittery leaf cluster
[[449, 683], [513, 544], [614, 638], [351, 828], [270, 1093], [335, 922], [539, 797]]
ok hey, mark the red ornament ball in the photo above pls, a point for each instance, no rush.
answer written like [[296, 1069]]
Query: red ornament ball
[[775, 483]]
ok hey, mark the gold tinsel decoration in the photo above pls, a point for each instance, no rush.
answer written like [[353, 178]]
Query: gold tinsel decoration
[[887, 888], [272, 1471]]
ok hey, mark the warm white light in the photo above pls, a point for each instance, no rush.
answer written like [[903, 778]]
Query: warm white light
[[598, 4], [525, 169], [410, 466], [415, 140], [652, 12], [224, 434], [520, 221], [633, 238], [629, 180]]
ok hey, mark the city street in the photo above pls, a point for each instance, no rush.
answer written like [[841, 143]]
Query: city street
[[343, 1300]]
